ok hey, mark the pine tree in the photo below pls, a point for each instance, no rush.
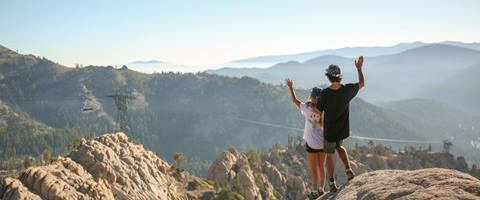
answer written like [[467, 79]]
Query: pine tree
[[180, 159]]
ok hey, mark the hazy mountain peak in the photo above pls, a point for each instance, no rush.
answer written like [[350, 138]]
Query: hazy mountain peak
[[439, 48], [148, 62], [327, 58], [473, 45]]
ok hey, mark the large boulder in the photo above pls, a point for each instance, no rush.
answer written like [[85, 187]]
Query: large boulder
[[233, 169], [296, 187], [130, 170], [275, 177], [65, 180], [432, 183], [14, 189], [107, 167], [222, 169]]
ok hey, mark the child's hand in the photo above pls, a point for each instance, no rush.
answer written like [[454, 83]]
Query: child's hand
[[289, 82]]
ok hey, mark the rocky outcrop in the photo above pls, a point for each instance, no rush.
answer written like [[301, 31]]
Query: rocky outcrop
[[107, 167], [63, 180], [130, 170], [284, 174], [432, 183], [275, 177], [233, 169], [296, 187], [14, 189]]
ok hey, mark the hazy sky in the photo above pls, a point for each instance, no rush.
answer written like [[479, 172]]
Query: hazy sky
[[206, 32]]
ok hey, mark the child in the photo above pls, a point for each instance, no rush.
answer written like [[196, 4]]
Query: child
[[313, 136]]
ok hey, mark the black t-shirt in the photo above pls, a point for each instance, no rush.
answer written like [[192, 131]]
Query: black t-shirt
[[335, 105]]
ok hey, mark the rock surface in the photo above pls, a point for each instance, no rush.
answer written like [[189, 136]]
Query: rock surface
[[283, 174], [232, 168], [274, 176], [431, 183], [107, 167], [15, 190]]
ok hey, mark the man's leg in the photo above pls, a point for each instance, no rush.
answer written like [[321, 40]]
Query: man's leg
[[342, 152], [329, 148]]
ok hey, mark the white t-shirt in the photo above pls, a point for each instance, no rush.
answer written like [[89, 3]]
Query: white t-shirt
[[312, 133]]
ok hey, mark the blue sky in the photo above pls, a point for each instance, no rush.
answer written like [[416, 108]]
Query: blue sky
[[103, 32]]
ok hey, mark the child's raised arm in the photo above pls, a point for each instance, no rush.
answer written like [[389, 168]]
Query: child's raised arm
[[289, 83]]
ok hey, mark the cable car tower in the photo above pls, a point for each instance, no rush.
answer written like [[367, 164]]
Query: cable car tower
[[121, 102]]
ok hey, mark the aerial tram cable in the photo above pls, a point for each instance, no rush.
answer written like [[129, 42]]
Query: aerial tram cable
[[123, 118], [352, 136]]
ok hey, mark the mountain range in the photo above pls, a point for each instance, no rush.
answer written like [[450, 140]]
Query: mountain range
[[349, 52], [147, 62], [417, 72]]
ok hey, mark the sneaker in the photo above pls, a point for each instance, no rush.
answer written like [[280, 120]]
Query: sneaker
[[333, 187], [350, 174], [320, 191], [313, 195]]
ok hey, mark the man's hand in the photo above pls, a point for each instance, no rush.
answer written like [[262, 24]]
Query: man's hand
[[289, 82], [359, 63]]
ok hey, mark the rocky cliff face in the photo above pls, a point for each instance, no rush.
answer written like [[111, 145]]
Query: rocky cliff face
[[432, 183], [282, 175], [108, 167], [232, 168]]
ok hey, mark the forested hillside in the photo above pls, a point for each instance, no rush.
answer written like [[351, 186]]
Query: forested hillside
[[461, 89]]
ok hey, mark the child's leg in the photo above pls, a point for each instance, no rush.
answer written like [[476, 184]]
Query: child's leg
[[330, 165], [321, 166], [312, 159]]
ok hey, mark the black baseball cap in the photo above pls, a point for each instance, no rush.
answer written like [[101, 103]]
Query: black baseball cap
[[333, 70], [315, 92]]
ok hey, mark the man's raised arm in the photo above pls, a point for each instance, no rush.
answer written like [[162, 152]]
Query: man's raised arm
[[358, 65]]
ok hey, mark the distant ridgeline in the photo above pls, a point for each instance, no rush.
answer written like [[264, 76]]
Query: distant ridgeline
[[42, 112], [404, 71]]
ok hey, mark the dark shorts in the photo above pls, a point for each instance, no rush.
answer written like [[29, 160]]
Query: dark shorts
[[312, 150], [330, 147]]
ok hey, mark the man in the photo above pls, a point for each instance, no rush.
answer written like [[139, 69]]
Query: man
[[334, 103]]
